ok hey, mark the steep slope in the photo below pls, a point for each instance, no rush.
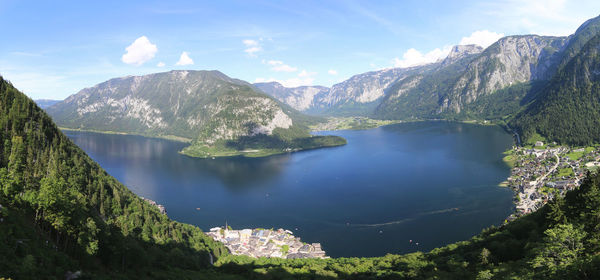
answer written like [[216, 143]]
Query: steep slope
[[60, 211], [418, 95], [568, 108], [219, 115], [577, 40]]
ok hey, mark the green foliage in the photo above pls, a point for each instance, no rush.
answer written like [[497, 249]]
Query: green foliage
[[562, 245], [502, 103], [61, 211], [285, 249]]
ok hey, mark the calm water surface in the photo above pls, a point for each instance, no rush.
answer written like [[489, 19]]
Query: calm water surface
[[430, 182]]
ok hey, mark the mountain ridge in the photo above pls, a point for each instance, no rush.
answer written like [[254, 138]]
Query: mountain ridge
[[208, 107]]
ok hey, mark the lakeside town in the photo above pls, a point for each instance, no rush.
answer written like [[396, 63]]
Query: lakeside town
[[266, 243], [542, 171]]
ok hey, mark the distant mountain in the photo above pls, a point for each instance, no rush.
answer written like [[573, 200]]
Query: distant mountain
[[45, 103], [299, 98], [219, 115], [356, 96]]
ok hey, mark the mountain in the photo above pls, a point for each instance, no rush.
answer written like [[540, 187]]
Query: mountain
[[357, 96], [462, 80], [568, 108], [219, 115], [494, 83], [45, 103], [61, 215]]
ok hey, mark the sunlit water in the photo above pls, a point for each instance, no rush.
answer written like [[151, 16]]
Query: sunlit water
[[430, 182]]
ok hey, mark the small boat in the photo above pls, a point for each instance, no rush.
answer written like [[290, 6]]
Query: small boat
[[198, 208]]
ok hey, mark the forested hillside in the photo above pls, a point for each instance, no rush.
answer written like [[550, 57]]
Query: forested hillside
[[61, 211]]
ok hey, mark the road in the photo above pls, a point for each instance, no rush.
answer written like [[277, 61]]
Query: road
[[526, 202]]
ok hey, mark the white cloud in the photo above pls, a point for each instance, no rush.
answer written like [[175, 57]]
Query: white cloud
[[252, 47], [483, 38], [140, 51], [160, 64], [303, 78], [332, 72], [279, 66], [413, 57], [185, 59]]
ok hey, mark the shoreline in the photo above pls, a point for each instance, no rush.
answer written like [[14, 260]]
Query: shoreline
[[164, 137], [215, 153]]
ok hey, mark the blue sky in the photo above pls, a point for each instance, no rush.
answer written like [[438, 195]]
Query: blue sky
[[52, 49]]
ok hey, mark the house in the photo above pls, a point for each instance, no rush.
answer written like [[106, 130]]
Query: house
[[245, 234], [539, 143]]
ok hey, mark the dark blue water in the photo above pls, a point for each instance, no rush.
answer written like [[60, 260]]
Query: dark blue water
[[431, 182]]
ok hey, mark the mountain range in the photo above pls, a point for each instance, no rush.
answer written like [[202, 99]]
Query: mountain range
[[471, 83]]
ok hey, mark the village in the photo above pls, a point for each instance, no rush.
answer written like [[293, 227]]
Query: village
[[266, 243], [541, 172]]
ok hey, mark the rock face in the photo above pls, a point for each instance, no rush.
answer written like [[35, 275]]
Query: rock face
[[511, 60], [299, 98], [204, 105], [461, 51]]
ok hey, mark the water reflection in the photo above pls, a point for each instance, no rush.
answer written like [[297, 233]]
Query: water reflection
[[143, 154]]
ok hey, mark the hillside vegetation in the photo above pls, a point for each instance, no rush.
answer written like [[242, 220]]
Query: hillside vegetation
[[61, 211]]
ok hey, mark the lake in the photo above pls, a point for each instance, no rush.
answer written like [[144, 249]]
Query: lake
[[430, 182]]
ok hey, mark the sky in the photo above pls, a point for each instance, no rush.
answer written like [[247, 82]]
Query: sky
[[53, 49]]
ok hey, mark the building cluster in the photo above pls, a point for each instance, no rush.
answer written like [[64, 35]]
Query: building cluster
[[266, 243], [539, 174]]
